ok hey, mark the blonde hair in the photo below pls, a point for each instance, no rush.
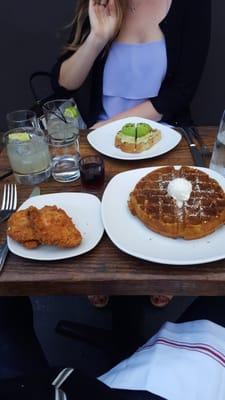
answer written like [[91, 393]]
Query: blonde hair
[[82, 25]]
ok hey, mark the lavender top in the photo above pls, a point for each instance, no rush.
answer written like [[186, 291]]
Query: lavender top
[[133, 73]]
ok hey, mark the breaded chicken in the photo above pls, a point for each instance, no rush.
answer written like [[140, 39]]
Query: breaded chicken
[[54, 227], [21, 229]]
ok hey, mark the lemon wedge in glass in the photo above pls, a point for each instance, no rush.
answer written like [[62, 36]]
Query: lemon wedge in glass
[[20, 136], [71, 112]]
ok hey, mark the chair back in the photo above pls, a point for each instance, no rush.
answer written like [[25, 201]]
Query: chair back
[[41, 89]]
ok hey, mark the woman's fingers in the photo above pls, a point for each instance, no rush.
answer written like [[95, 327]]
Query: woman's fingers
[[111, 7], [103, 18], [100, 11]]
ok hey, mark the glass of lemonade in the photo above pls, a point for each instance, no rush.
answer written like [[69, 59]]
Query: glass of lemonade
[[62, 121], [28, 153]]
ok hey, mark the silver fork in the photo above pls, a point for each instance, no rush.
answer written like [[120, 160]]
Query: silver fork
[[9, 204], [9, 201]]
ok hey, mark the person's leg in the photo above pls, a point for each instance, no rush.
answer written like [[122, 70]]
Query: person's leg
[[98, 301], [20, 351], [210, 308], [160, 301], [81, 387], [126, 322]]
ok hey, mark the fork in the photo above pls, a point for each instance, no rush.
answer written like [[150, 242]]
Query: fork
[[9, 203]]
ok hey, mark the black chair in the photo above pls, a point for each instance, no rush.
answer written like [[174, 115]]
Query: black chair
[[41, 90]]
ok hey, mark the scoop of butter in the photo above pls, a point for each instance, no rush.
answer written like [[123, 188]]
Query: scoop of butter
[[19, 136], [180, 189]]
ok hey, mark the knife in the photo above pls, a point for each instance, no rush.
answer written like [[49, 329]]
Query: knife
[[196, 154], [4, 248], [5, 174]]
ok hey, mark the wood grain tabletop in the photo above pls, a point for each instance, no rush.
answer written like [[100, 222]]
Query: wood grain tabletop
[[106, 269]]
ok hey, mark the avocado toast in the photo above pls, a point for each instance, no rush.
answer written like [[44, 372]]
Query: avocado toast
[[135, 138]]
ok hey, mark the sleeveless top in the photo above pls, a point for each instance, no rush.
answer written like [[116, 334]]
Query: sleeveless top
[[133, 73]]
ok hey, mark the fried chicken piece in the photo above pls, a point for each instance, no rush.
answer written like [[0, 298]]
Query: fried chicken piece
[[21, 229], [31, 244], [53, 226]]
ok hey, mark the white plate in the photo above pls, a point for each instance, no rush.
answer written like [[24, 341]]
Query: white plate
[[85, 211], [129, 234], [102, 139]]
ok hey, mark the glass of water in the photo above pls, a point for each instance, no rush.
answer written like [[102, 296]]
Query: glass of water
[[217, 161], [21, 118], [28, 154], [62, 124]]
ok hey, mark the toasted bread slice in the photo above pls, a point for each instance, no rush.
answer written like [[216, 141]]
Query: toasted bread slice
[[126, 138], [123, 145], [146, 142]]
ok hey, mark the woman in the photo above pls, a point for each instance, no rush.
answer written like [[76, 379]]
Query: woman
[[135, 57]]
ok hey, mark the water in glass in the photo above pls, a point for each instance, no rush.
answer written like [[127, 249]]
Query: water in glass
[[63, 132], [217, 161], [21, 118]]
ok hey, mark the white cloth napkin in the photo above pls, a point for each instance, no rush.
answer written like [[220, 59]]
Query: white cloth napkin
[[182, 361]]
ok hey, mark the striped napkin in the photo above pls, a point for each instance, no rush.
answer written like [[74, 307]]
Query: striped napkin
[[182, 361]]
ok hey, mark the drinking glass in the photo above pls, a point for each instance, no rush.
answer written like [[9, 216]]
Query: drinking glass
[[62, 124], [217, 161], [21, 118], [28, 153], [92, 172]]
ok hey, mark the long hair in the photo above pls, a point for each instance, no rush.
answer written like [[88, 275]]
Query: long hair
[[82, 25]]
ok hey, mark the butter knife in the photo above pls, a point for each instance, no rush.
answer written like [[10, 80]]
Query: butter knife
[[4, 248], [5, 174], [196, 154]]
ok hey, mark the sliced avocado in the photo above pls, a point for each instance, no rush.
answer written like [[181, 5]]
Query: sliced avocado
[[19, 136], [129, 130], [143, 129]]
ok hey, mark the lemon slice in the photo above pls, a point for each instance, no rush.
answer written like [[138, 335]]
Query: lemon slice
[[71, 112], [20, 136]]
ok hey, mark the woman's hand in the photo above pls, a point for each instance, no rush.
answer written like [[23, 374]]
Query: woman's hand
[[103, 19]]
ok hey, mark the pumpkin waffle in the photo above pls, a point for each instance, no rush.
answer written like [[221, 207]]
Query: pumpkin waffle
[[199, 216]]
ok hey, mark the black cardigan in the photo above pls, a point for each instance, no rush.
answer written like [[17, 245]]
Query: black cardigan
[[186, 28]]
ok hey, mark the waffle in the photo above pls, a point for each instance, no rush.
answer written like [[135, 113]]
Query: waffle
[[199, 216]]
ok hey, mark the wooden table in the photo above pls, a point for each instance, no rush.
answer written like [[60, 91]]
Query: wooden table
[[106, 269]]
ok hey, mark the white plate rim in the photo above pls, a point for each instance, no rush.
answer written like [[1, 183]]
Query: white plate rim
[[120, 155], [172, 262], [78, 252]]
